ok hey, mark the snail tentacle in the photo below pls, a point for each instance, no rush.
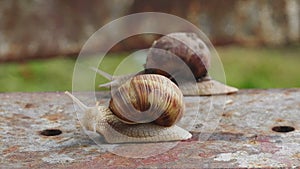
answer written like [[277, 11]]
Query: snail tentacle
[[103, 73], [77, 101], [114, 80]]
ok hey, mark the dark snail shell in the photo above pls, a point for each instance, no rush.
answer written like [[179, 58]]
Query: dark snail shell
[[148, 98], [187, 46]]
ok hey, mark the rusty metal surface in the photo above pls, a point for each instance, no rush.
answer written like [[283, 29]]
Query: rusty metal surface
[[243, 137]]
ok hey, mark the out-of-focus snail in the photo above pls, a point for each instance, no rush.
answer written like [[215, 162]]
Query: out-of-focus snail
[[192, 51], [143, 109], [187, 46]]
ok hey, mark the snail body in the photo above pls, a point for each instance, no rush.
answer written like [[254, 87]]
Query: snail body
[[144, 109], [116, 131]]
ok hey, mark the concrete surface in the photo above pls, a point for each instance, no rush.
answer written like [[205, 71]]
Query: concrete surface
[[241, 135]]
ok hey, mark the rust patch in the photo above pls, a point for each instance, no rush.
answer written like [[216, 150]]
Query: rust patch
[[31, 157], [279, 120], [205, 155], [56, 138], [29, 105], [228, 114], [297, 155], [21, 116], [11, 149], [109, 160], [267, 147], [3, 118], [288, 92], [54, 117], [170, 156], [17, 102]]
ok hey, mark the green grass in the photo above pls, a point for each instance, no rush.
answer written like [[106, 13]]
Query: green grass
[[40, 75], [244, 68], [261, 67]]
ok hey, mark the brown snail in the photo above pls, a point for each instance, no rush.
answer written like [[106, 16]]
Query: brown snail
[[187, 46], [147, 98], [144, 109], [192, 52]]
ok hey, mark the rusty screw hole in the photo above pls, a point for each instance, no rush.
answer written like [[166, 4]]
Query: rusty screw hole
[[51, 132], [283, 129]]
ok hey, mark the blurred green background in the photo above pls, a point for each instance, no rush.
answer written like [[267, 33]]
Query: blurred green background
[[244, 68], [258, 41]]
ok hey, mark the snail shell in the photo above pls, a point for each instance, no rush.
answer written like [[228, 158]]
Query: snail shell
[[187, 46], [101, 120], [146, 98]]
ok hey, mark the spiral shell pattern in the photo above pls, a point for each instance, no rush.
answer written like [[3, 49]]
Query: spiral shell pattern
[[148, 98]]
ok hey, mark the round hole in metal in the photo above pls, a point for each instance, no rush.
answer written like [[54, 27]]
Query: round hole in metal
[[283, 129], [51, 132]]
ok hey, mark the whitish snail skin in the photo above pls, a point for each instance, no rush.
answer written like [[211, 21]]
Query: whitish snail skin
[[207, 88], [146, 98], [115, 131], [187, 46], [101, 120]]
